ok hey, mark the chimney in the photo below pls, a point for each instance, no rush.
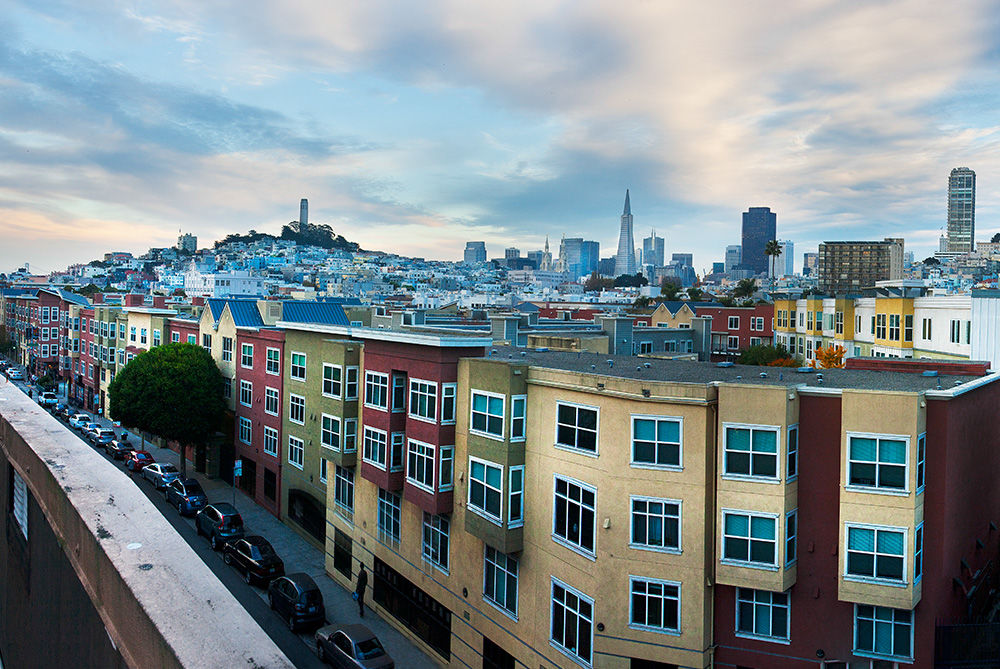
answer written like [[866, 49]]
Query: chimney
[[134, 300], [97, 298], [198, 301], [160, 301]]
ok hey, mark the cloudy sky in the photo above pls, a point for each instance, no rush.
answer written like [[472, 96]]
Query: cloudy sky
[[414, 127]]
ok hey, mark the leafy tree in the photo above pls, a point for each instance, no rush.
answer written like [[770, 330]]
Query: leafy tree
[[764, 354], [89, 289], [174, 391], [597, 283], [995, 239], [641, 302], [670, 289], [7, 345], [829, 357], [695, 294], [772, 250], [179, 292], [931, 260], [726, 301], [636, 280], [745, 288]]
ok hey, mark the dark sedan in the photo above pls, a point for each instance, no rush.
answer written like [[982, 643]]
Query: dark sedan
[[297, 599], [255, 557], [187, 495], [118, 449], [351, 647]]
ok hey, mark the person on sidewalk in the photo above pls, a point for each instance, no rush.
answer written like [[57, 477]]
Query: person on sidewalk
[[359, 592]]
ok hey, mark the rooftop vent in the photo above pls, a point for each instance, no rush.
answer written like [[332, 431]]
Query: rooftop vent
[[646, 365], [763, 375], [523, 353], [611, 363], [724, 364], [593, 366], [804, 370], [929, 372]]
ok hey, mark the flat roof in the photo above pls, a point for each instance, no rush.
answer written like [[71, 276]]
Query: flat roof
[[686, 371]]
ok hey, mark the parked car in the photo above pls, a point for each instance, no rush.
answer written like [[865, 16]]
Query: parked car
[[255, 557], [15, 374], [118, 449], [48, 399], [220, 522], [161, 474], [297, 599], [351, 647], [186, 495], [78, 420], [87, 428], [101, 436], [60, 410], [136, 460]]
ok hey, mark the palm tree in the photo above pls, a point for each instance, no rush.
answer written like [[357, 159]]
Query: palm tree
[[772, 250]]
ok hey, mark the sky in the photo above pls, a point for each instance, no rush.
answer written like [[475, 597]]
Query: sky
[[415, 127]]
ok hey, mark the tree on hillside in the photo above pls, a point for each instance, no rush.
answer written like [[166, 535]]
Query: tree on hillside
[[695, 294], [670, 289], [745, 288], [174, 391], [931, 260], [597, 283], [995, 239], [636, 280]]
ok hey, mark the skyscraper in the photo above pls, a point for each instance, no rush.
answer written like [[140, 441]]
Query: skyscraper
[[625, 260], [759, 227], [734, 256], [652, 250], [962, 210], [849, 267], [475, 253], [784, 264], [304, 212]]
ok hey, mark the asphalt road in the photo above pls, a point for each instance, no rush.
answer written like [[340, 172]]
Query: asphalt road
[[299, 648]]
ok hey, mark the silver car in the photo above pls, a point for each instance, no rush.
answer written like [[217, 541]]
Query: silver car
[[351, 647], [160, 473]]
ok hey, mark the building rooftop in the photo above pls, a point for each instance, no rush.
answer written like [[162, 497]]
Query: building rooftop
[[684, 371]]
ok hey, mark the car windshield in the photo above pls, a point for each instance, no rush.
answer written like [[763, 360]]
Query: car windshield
[[168, 469], [194, 489], [311, 597], [370, 648], [261, 551], [144, 458]]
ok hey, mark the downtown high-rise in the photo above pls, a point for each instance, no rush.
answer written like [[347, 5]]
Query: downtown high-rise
[[759, 228], [625, 260], [961, 210]]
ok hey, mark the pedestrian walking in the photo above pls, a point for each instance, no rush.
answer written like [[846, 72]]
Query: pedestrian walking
[[359, 591]]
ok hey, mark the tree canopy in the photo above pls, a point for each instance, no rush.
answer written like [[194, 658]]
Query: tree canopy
[[636, 280], [745, 288], [174, 391], [670, 289], [766, 354], [995, 238], [598, 283]]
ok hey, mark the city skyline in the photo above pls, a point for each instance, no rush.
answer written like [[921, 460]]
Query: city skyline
[[122, 125]]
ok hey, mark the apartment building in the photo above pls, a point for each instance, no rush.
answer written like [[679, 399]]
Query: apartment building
[[849, 267]]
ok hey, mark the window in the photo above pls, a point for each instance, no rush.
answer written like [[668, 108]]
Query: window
[[876, 553], [734, 323], [388, 516], [572, 622], [487, 414], [131, 332], [656, 441], [377, 390], [791, 536], [576, 427], [894, 327], [322, 469], [792, 448], [877, 462], [883, 632], [397, 441], [206, 341], [921, 457], [956, 331], [500, 580], [373, 449], [918, 553], [297, 409], [435, 547], [655, 605], [968, 331], [515, 501], [175, 337], [645, 347], [227, 349], [273, 362], [245, 429], [809, 320], [757, 323], [908, 327], [271, 400], [733, 343], [751, 451], [761, 614], [329, 435], [343, 489], [332, 385], [298, 369], [246, 356], [420, 464], [246, 393], [749, 538], [271, 441], [350, 435], [156, 337], [191, 339], [573, 522], [486, 489], [448, 403], [446, 468], [296, 452], [351, 387], [398, 392], [656, 524], [423, 400], [926, 329], [227, 386], [838, 322], [518, 409]]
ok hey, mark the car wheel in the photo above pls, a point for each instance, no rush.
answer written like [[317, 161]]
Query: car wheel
[[270, 600], [248, 577], [320, 651], [227, 558], [215, 543], [291, 622], [180, 508]]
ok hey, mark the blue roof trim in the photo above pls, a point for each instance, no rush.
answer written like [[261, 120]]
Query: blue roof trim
[[245, 313], [324, 313]]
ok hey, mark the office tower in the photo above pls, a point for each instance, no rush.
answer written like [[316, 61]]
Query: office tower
[[848, 267], [625, 260], [718, 267], [606, 266], [187, 242], [759, 226], [734, 257], [590, 256], [784, 264], [475, 253], [570, 255], [511, 253], [304, 212], [961, 210], [652, 250], [686, 259], [809, 263]]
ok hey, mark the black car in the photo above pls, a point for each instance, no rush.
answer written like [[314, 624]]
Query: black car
[[351, 647], [297, 599], [118, 449], [186, 495], [220, 522], [255, 557]]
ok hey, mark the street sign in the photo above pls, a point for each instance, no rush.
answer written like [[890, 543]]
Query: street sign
[[238, 468]]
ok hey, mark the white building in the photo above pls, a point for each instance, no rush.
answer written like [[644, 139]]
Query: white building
[[229, 284]]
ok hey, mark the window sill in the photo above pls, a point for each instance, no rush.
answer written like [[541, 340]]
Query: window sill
[[656, 549], [374, 464], [749, 565], [655, 630], [297, 466], [330, 397], [568, 653], [656, 467], [887, 658], [485, 515], [376, 408], [487, 435], [876, 491], [422, 486], [751, 479], [422, 419], [575, 548], [875, 581], [578, 451], [769, 639], [501, 609]]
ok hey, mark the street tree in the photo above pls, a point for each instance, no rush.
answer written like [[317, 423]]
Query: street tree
[[174, 391], [745, 288]]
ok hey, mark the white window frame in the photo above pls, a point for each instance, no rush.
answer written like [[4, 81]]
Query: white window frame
[[246, 430], [417, 389], [566, 541], [767, 566], [578, 617], [597, 429], [389, 508], [227, 349], [296, 446], [733, 323], [294, 368], [271, 437], [348, 383], [417, 452], [435, 544], [343, 485], [512, 519], [872, 654], [496, 436], [776, 429], [679, 420], [272, 397], [921, 458], [791, 454], [903, 581], [246, 392], [350, 435], [336, 384], [292, 397], [272, 364], [918, 553], [487, 489], [633, 543], [244, 356], [664, 598], [492, 563], [876, 489], [446, 454], [791, 543], [759, 606], [515, 400], [449, 395], [367, 453], [322, 469], [378, 381], [334, 431]]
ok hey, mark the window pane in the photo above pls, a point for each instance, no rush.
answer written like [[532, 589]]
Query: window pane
[[860, 539], [863, 449], [737, 439], [890, 542], [892, 450], [644, 429], [668, 430], [765, 441], [737, 525], [762, 528]]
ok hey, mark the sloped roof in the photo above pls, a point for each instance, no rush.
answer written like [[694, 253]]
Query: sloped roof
[[245, 313], [216, 305], [326, 313], [345, 301]]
